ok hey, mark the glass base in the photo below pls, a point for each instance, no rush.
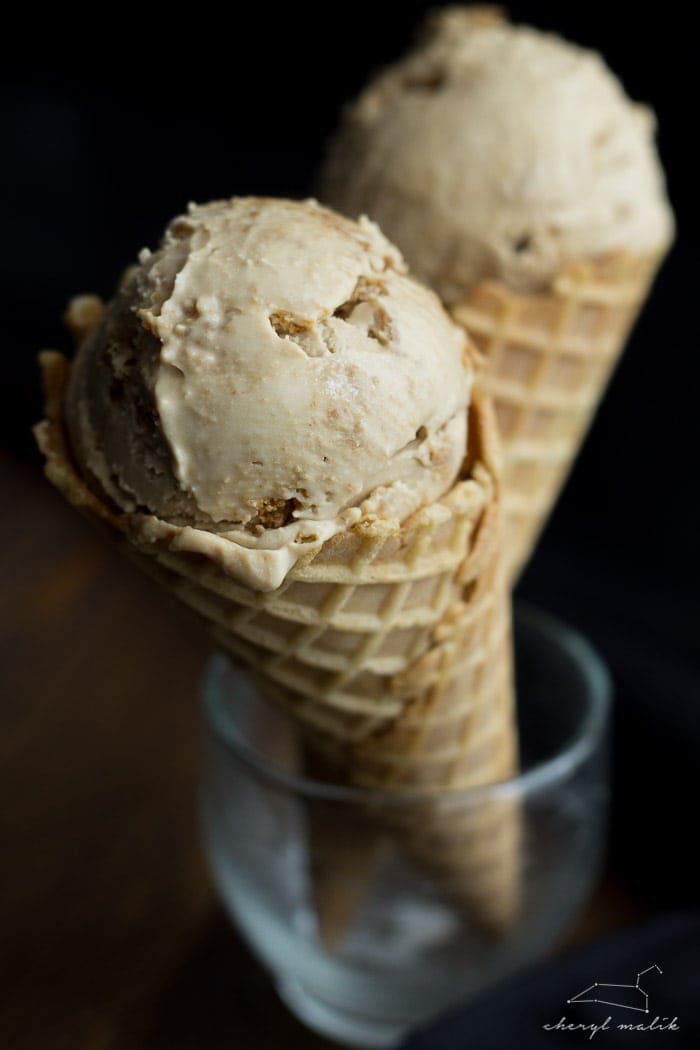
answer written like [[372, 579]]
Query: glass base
[[348, 1028], [367, 936]]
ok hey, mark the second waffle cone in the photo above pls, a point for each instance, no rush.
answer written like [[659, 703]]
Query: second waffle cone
[[548, 360]]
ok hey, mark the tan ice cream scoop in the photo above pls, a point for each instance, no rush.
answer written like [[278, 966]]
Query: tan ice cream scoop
[[498, 151], [523, 184], [278, 425], [266, 378]]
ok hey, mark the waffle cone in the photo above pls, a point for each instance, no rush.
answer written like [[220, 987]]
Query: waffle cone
[[456, 732], [548, 360], [390, 648]]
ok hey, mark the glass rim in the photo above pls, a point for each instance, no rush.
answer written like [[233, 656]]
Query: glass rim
[[562, 762]]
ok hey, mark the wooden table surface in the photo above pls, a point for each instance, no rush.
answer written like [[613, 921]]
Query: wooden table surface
[[110, 935]]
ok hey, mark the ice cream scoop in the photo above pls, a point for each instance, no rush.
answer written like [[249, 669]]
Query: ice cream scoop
[[267, 377], [278, 425], [523, 184], [497, 151]]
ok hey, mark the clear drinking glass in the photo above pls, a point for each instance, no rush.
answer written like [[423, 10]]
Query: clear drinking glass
[[404, 948]]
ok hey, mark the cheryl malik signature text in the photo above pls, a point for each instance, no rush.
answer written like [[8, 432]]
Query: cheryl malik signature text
[[624, 997], [659, 1024]]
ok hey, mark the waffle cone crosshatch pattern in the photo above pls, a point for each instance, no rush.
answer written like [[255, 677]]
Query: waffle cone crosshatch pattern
[[548, 359], [390, 647]]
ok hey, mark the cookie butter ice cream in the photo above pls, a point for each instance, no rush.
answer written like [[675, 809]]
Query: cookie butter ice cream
[[497, 151], [266, 378]]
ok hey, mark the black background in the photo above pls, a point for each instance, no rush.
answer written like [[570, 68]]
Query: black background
[[113, 120]]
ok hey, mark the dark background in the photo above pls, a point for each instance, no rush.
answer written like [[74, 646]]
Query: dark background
[[110, 126]]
